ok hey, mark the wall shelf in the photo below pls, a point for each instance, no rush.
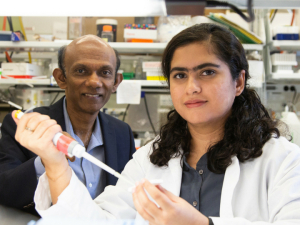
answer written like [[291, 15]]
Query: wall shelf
[[25, 81], [290, 45], [281, 76], [122, 47]]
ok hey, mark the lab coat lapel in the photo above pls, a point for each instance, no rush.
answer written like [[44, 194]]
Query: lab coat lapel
[[110, 147], [231, 178], [56, 112], [172, 182]]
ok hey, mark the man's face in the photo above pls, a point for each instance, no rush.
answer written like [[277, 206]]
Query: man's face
[[90, 66]]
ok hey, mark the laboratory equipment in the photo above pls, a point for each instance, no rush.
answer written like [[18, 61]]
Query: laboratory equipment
[[100, 23], [72, 148]]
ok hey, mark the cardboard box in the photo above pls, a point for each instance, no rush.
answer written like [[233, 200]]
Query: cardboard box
[[140, 34]]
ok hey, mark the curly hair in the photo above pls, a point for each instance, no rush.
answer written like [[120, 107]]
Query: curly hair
[[248, 127]]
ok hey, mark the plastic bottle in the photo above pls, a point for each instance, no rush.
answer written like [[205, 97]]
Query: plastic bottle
[[139, 70], [107, 34]]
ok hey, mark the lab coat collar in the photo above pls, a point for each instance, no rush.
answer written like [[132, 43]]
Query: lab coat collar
[[174, 181]]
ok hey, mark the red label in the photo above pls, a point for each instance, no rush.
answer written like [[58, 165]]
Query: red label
[[63, 143]]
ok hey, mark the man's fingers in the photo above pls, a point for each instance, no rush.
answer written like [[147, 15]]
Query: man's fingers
[[13, 116], [42, 127], [35, 121], [22, 123]]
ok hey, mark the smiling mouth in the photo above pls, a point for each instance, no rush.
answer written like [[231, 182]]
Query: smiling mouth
[[92, 95]]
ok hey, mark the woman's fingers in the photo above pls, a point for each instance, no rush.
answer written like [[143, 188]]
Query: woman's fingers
[[169, 194], [141, 209], [159, 197], [146, 203]]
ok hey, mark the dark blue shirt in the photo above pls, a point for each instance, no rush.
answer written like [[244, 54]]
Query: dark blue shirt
[[201, 187]]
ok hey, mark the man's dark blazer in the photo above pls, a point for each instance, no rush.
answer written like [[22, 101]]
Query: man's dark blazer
[[18, 179]]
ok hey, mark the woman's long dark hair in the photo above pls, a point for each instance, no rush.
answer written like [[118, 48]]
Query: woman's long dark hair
[[248, 127]]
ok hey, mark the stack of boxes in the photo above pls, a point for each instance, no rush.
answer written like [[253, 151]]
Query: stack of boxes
[[20, 70], [286, 33], [153, 71], [283, 62], [146, 33]]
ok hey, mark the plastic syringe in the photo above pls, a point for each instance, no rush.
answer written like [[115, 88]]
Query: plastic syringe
[[72, 148]]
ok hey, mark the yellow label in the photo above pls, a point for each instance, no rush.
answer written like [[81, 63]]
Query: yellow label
[[156, 78]]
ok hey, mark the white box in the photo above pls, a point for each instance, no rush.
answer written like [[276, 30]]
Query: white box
[[285, 30], [284, 59], [153, 64], [17, 69], [140, 34]]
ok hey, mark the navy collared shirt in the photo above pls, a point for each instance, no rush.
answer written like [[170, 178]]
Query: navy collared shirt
[[92, 176], [201, 187]]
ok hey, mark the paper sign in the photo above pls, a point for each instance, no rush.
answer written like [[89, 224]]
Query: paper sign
[[129, 92]]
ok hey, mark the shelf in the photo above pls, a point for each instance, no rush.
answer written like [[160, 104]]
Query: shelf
[[256, 47], [34, 46], [153, 83], [34, 55], [124, 47], [25, 81], [144, 83], [284, 76], [121, 47], [285, 45]]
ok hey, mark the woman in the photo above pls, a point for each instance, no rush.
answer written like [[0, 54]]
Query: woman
[[220, 156]]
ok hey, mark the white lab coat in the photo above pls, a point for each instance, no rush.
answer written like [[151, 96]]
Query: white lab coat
[[262, 191]]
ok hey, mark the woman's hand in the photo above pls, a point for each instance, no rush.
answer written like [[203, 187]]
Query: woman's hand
[[173, 210], [35, 132]]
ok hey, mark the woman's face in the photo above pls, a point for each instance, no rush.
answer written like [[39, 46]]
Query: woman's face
[[201, 85]]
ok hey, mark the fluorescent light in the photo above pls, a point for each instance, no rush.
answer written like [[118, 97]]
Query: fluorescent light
[[97, 8]]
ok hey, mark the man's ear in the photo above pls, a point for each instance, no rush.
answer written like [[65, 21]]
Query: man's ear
[[60, 78], [240, 83], [118, 80]]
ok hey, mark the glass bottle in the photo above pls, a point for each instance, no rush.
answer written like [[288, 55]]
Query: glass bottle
[[107, 34]]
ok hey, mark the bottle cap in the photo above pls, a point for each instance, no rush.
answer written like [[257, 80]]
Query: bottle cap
[[107, 28]]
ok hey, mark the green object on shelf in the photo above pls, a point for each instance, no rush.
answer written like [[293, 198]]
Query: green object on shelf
[[128, 76], [243, 35]]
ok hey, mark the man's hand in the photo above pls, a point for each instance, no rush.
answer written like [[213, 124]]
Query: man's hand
[[173, 210], [35, 132]]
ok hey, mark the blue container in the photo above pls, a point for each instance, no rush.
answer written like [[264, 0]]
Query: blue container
[[287, 37], [5, 35]]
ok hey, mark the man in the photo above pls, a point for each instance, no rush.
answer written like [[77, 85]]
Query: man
[[88, 74]]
